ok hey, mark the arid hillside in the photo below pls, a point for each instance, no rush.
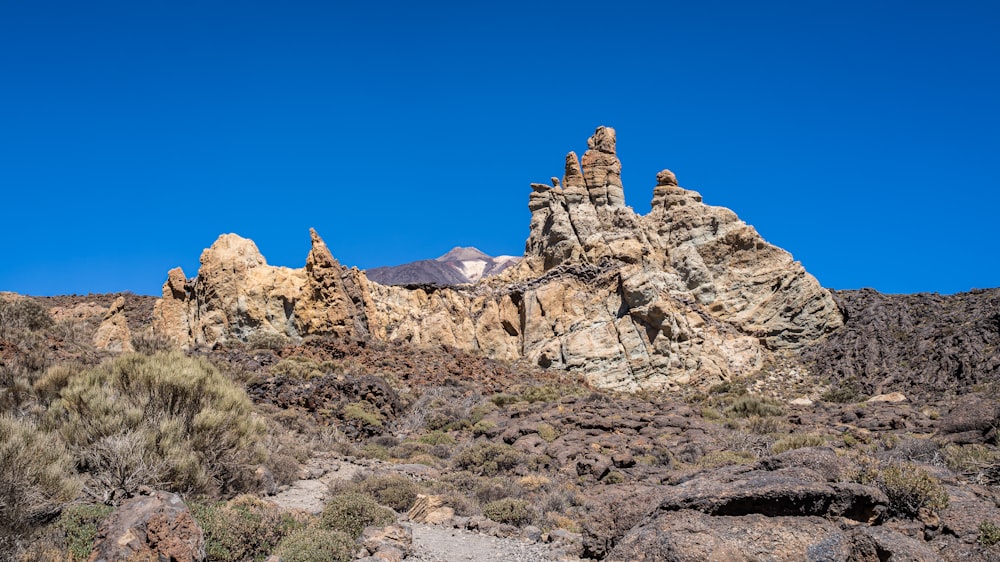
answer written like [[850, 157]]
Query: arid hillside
[[660, 387]]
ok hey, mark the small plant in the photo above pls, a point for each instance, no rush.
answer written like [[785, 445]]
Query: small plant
[[351, 513], [365, 416], [796, 441], [709, 413], [989, 533], [78, 523], [509, 510], [488, 459], [36, 476], [397, 492], [436, 438], [613, 477], [314, 544], [244, 528], [301, 368], [747, 406], [267, 340], [844, 392], [764, 425], [547, 432], [21, 314], [908, 487], [483, 427]]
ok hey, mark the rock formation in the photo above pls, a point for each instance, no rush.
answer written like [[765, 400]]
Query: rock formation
[[113, 334], [686, 294]]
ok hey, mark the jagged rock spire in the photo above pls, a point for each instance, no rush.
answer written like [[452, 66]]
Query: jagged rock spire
[[602, 169]]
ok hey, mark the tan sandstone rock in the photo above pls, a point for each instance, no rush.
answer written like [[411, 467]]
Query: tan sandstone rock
[[113, 333], [688, 294]]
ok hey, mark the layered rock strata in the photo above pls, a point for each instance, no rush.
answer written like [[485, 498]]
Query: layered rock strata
[[686, 294]]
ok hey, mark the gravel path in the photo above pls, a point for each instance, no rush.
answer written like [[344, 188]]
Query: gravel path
[[431, 543], [310, 493], [437, 543]]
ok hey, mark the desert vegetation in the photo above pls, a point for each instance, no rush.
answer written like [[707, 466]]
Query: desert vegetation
[[509, 450]]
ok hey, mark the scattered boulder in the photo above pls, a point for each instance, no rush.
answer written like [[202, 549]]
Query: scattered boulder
[[971, 419], [158, 527]]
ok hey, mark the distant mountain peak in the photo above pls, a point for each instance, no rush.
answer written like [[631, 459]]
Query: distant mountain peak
[[459, 253], [462, 264]]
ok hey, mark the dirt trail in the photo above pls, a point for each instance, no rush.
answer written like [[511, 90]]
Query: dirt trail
[[431, 543], [437, 543]]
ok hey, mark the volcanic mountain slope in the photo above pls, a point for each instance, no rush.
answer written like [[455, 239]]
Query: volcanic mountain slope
[[686, 294], [458, 266]]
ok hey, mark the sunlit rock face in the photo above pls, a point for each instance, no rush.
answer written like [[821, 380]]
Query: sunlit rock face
[[688, 294]]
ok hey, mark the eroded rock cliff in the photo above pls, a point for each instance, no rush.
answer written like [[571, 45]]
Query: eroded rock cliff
[[686, 294]]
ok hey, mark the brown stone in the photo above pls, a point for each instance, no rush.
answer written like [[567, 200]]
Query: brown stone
[[158, 526]]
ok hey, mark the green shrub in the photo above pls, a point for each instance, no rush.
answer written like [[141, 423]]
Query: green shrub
[[908, 487], [315, 545], [267, 340], [351, 513], [36, 476], [18, 315], [796, 441], [168, 411], [364, 415], [149, 343], [509, 510], [397, 492], [488, 459], [301, 368], [547, 432], [244, 528], [372, 451], [978, 462], [436, 438], [764, 425], [78, 524], [844, 392], [989, 533], [748, 406]]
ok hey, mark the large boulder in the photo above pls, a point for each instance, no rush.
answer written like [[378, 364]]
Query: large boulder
[[154, 527]]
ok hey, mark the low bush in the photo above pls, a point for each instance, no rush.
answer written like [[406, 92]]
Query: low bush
[[301, 368], [488, 459], [436, 438], [989, 533], [796, 441], [509, 510], [244, 528], [315, 545], [908, 487], [76, 529], [36, 476], [18, 315], [397, 492], [747, 406], [764, 425], [978, 462], [176, 414], [364, 416], [350, 513]]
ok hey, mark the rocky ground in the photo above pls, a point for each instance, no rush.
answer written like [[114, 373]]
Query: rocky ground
[[522, 463]]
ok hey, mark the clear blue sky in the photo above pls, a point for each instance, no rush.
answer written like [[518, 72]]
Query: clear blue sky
[[862, 136]]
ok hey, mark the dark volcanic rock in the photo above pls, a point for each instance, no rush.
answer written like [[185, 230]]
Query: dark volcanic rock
[[922, 345], [154, 527], [691, 535], [787, 491]]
